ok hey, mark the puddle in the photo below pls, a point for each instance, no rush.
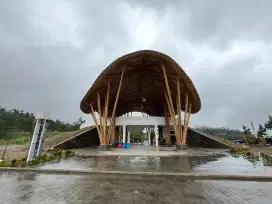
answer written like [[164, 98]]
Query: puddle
[[219, 163]]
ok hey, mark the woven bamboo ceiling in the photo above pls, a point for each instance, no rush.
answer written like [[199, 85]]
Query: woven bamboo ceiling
[[143, 85]]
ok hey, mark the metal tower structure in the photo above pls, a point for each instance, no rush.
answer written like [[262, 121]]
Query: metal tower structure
[[37, 142]]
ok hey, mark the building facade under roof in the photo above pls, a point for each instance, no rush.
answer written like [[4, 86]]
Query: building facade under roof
[[144, 81]]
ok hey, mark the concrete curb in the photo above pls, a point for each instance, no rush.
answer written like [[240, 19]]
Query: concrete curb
[[147, 154], [193, 176], [132, 155]]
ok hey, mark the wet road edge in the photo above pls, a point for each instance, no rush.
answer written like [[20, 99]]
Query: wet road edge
[[187, 176]]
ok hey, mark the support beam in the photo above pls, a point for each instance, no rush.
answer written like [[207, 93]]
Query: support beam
[[171, 107], [96, 123], [187, 124], [124, 133], [149, 136], [172, 116], [116, 100], [119, 134], [105, 116], [128, 139], [102, 137], [179, 109], [167, 88], [156, 136], [167, 128], [185, 118], [113, 132]]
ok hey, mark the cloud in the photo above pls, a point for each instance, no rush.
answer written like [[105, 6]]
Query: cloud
[[52, 51]]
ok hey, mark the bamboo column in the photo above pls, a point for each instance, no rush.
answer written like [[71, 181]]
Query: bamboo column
[[172, 116], [179, 110], [185, 118], [187, 114], [167, 127], [105, 130], [102, 138], [186, 123], [113, 132], [105, 121], [171, 107], [116, 102], [96, 123]]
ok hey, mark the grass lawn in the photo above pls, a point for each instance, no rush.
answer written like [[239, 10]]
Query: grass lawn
[[19, 138], [18, 144], [52, 138]]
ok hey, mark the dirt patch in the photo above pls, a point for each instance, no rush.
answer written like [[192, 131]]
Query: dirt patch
[[14, 151]]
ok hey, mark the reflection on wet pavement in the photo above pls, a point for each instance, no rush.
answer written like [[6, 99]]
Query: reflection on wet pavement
[[217, 163], [65, 189], [56, 189]]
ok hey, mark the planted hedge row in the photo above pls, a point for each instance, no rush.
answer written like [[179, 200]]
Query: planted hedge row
[[51, 155]]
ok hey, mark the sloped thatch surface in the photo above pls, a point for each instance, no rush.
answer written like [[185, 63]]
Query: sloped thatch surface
[[143, 78]]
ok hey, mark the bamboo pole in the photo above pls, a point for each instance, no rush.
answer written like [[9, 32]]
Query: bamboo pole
[[109, 133], [167, 127], [185, 117], [107, 137], [113, 134], [116, 99], [104, 130], [187, 124], [100, 117], [173, 119], [96, 123], [179, 109], [171, 107], [177, 119], [167, 88], [118, 92]]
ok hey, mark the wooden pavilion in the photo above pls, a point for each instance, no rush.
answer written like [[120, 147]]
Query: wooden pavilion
[[144, 81]]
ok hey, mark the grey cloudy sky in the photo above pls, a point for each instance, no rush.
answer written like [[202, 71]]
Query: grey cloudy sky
[[52, 51]]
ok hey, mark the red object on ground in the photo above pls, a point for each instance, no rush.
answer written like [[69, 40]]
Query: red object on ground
[[119, 145]]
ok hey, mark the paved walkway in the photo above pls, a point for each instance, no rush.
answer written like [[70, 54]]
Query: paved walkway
[[67, 189]]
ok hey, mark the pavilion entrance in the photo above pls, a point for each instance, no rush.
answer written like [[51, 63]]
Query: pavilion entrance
[[148, 82]]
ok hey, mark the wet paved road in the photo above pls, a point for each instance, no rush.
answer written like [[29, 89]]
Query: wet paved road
[[217, 163], [66, 189], [103, 189]]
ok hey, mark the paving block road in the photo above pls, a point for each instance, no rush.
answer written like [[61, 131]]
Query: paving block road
[[30, 188]]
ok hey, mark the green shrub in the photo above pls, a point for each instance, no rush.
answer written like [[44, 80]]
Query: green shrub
[[68, 153], [246, 155], [240, 148], [267, 159], [52, 155], [4, 164], [254, 140]]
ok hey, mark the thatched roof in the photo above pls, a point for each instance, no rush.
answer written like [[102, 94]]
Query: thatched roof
[[143, 78]]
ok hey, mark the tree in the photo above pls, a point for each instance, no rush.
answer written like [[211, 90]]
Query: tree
[[246, 131], [261, 131], [80, 121], [268, 124], [222, 132], [76, 125], [16, 121]]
